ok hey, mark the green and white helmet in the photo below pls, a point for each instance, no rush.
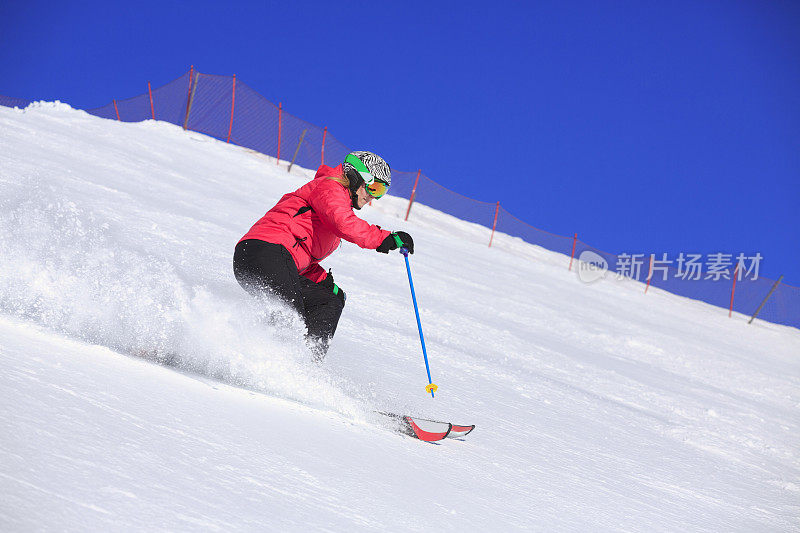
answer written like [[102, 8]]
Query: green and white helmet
[[369, 168]]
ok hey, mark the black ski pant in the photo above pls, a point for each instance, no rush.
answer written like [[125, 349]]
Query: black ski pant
[[263, 268]]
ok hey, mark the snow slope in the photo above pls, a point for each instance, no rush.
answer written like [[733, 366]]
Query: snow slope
[[598, 408]]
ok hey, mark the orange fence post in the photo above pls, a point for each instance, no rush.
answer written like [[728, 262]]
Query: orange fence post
[[280, 120], [413, 193], [733, 290], [191, 101], [189, 96], [574, 240], [774, 286], [233, 100], [115, 109], [496, 210], [322, 157], [300, 142], [150, 91], [649, 274]]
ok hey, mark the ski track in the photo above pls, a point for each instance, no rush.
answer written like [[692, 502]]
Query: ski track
[[597, 408]]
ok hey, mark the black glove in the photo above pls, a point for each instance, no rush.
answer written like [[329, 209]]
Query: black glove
[[333, 287], [389, 243]]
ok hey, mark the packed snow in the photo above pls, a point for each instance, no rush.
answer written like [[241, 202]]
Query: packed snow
[[143, 389]]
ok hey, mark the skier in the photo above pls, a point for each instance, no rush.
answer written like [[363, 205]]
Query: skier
[[280, 255]]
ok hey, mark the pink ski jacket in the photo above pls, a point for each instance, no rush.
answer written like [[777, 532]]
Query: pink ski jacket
[[311, 221]]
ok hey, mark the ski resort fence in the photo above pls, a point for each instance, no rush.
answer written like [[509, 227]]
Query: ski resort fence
[[230, 110]]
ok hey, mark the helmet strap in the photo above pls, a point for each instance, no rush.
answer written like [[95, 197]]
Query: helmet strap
[[355, 181]]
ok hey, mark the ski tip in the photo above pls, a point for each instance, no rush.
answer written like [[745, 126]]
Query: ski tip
[[460, 431]]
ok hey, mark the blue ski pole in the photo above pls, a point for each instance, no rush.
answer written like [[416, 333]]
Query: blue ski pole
[[431, 387]]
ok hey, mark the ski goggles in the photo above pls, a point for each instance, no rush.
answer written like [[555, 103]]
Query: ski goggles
[[375, 186]]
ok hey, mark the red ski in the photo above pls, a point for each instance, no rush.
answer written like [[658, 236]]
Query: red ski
[[460, 431], [428, 430]]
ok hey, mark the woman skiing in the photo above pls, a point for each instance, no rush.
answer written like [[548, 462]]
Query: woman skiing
[[280, 255]]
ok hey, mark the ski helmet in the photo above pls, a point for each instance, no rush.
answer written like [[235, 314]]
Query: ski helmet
[[370, 169]]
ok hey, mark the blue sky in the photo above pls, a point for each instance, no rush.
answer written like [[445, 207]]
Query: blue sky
[[644, 127]]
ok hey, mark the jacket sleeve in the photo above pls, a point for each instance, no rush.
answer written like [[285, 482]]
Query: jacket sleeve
[[315, 273], [331, 202]]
